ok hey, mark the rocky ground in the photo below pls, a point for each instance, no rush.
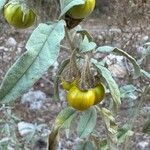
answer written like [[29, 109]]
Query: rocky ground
[[37, 105]]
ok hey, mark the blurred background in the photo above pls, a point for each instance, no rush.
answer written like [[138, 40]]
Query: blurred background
[[120, 23]]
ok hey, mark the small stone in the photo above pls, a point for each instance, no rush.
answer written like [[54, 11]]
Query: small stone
[[35, 99], [2, 48], [25, 128], [116, 65], [11, 42], [143, 145]]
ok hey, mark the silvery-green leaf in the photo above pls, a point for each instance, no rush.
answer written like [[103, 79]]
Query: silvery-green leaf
[[87, 122], [86, 45], [42, 51], [2, 3], [145, 73], [114, 90], [85, 33], [65, 117]]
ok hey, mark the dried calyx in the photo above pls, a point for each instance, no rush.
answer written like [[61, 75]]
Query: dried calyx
[[88, 79], [71, 71]]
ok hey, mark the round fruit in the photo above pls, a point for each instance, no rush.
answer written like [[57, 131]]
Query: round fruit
[[82, 11], [80, 100], [99, 93], [18, 15], [67, 85]]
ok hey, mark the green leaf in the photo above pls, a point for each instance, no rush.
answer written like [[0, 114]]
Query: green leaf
[[42, 51], [88, 145], [65, 117], [123, 134], [87, 122], [146, 128], [109, 120], [111, 128], [85, 33], [103, 145], [109, 49], [114, 90], [2, 3], [86, 45], [126, 90], [105, 49], [145, 73], [67, 4]]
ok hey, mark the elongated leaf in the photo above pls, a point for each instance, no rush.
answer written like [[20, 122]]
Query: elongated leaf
[[109, 49], [65, 117], [86, 45], [127, 91], [145, 73], [111, 83], [87, 122], [2, 3], [111, 128], [88, 145], [67, 4], [42, 51], [109, 120], [105, 49], [85, 32], [123, 133]]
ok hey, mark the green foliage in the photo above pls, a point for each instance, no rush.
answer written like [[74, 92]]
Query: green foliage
[[87, 122], [145, 73], [42, 52], [128, 91], [111, 83], [65, 117], [2, 3], [85, 33], [86, 45]]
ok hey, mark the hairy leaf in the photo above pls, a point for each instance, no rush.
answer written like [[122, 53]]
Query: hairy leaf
[[2, 3], [145, 73], [87, 122], [86, 45], [123, 133], [85, 32], [65, 117], [42, 51], [111, 83], [109, 120]]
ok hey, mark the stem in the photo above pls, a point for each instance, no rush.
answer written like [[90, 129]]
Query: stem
[[56, 79], [132, 120], [69, 40]]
